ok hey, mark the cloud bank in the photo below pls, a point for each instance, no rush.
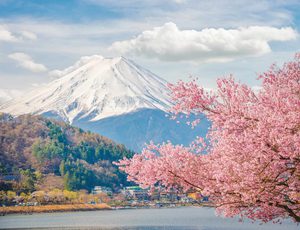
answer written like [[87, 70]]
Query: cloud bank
[[27, 62], [28, 35], [82, 61], [7, 36], [8, 94], [169, 43]]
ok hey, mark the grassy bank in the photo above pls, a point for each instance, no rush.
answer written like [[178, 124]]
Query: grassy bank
[[52, 208]]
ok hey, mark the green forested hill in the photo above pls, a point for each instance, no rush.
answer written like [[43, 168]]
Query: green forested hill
[[34, 149]]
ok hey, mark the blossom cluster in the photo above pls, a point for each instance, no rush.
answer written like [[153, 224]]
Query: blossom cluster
[[251, 166]]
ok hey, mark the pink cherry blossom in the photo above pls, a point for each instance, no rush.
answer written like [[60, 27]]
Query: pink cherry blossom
[[251, 166]]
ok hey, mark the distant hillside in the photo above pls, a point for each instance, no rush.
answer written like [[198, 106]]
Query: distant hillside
[[145, 125], [43, 150]]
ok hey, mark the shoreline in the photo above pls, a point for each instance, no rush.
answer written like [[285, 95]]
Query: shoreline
[[52, 208], [27, 210]]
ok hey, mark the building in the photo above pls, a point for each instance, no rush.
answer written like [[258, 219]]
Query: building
[[102, 189], [168, 196], [136, 192]]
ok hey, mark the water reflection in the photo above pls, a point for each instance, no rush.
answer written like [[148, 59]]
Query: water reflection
[[185, 218]]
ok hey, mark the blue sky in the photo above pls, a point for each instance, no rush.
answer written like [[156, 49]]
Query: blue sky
[[173, 38]]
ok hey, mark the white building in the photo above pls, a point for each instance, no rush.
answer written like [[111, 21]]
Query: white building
[[102, 189]]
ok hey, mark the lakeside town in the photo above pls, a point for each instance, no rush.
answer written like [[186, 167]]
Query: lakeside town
[[71, 172], [99, 198]]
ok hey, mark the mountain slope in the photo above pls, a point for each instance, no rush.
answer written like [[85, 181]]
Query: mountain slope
[[111, 96], [97, 88], [138, 128], [81, 159]]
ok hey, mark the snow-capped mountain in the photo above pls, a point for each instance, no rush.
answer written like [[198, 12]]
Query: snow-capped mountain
[[111, 96], [95, 88]]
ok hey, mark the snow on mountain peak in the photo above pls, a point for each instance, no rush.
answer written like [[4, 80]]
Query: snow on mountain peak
[[95, 88]]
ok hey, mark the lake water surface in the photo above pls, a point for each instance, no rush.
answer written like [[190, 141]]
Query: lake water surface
[[189, 218]]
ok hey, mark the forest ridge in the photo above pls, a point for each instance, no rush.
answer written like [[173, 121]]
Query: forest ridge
[[44, 153]]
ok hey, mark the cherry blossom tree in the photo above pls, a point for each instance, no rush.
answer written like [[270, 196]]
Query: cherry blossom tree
[[251, 166]]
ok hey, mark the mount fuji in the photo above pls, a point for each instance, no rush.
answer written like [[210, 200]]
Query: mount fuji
[[111, 96]]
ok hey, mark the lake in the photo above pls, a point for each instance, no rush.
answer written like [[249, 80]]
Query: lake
[[189, 218]]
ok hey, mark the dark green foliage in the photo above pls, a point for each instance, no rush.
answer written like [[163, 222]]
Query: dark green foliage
[[48, 151], [56, 132], [83, 159], [27, 180], [76, 176]]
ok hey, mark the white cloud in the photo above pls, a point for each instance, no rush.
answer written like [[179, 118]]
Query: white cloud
[[169, 43], [179, 1], [27, 62], [9, 94], [6, 35], [28, 35], [83, 60], [199, 13], [61, 42]]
